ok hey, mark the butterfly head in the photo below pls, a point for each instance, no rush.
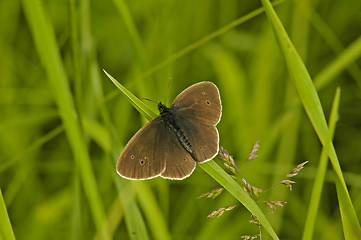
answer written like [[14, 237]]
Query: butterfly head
[[162, 108]]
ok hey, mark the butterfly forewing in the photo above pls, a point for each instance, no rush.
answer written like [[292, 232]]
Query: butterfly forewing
[[179, 163], [201, 102], [144, 155]]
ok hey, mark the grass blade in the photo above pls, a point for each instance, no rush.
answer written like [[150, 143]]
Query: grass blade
[[139, 105], [147, 199], [208, 38], [47, 48], [215, 171], [312, 105], [348, 56], [320, 175], [137, 229], [6, 231], [156, 221]]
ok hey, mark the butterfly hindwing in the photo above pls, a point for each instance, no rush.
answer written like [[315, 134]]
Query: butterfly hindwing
[[197, 110], [144, 155], [203, 138], [179, 163]]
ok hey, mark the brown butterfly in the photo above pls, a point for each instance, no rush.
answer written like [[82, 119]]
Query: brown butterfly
[[170, 145]]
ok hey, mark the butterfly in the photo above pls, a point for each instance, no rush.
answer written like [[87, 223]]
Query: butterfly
[[170, 145]]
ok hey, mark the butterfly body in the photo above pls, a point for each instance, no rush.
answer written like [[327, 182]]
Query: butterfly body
[[170, 145], [169, 116]]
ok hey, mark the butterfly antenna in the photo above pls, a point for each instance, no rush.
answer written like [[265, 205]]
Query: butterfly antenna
[[166, 94], [148, 100]]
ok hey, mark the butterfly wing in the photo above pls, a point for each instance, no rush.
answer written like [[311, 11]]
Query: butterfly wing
[[179, 163], [198, 109], [203, 138], [144, 155], [201, 102]]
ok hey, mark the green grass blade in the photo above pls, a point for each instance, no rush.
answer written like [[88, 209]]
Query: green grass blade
[[208, 38], [312, 105], [131, 27], [47, 48], [137, 229], [98, 133], [156, 221], [237, 191], [320, 175], [132, 216], [348, 56], [36, 145], [139, 105], [6, 231], [105, 135], [147, 200]]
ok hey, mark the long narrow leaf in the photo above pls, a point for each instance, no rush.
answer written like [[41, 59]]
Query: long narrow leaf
[[312, 105], [321, 173], [6, 231], [147, 200], [47, 48], [348, 56], [139, 105], [215, 171], [208, 38]]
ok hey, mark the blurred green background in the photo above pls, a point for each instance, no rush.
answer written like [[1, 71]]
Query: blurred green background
[[58, 150]]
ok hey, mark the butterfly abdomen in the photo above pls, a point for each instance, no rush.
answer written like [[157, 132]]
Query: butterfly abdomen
[[184, 140], [169, 118]]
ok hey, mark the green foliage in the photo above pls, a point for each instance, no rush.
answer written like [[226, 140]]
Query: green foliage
[[63, 123]]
